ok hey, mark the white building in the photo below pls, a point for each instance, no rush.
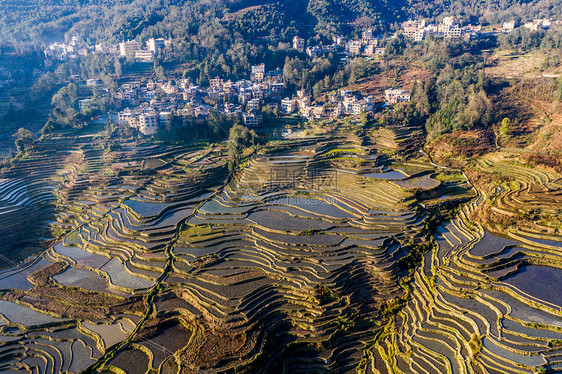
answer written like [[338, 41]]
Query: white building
[[148, 123], [394, 96], [155, 45], [298, 44], [143, 55], [288, 106], [508, 26], [128, 48]]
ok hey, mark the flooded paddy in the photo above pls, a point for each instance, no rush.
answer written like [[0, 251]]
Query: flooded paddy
[[541, 282]]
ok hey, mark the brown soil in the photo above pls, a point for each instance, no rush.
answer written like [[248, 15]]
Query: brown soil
[[70, 301], [461, 143]]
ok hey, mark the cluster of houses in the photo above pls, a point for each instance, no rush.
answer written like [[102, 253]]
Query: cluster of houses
[[155, 102], [449, 28], [131, 48], [418, 30], [368, 45], [340, 104]]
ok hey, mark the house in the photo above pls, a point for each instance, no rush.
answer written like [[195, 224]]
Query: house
[[216, 82], [339, 110], [277, 88], [449, 28], [252, 118], [411, 27], [288, 106], [128, 48], [354, 47], [314, 51], [155, 45], [143, 55], [252, 105], [165, 119], [258, 72], [148, 123], [394, 96], [298, 44], [370, 49], [93, 82], [508, 26]]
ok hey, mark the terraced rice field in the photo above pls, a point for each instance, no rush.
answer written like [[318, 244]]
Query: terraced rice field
[[294, 264], [484, 302]]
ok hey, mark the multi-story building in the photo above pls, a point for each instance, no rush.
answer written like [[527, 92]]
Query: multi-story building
[[394, 96], [216, 82], [252, 104], [148, 123], [128, 48], [165, 119], [94, 82], [354, 47], [155, 45], [252, 118], [380, 51], [370, 50], [298, 44], [449, 28], [244, 95], [143, 55], [277, 88], [508, 26], [258, 72], [314, 51], [411, 27], [288, 106]]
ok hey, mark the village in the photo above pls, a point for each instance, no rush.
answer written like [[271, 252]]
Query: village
[[163, 104], [152, 105]]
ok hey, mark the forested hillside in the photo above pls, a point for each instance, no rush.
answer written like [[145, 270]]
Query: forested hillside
[[115, 20]]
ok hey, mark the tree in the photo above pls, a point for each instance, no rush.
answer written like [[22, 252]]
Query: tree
[[238, 138], [24, 139], [118, 68], [66, 97], [159, 72], [506, 122]]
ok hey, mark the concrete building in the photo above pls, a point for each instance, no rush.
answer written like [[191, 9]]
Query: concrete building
[[252, 105], [508, 26], [143, 55], [155, 45], [252, 118], [314, 51], [165, 119], [288, 106], [394, 96], [128, 48], [257, 73], [354, 47], [298, 44], [148, 123], [411, 27]]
